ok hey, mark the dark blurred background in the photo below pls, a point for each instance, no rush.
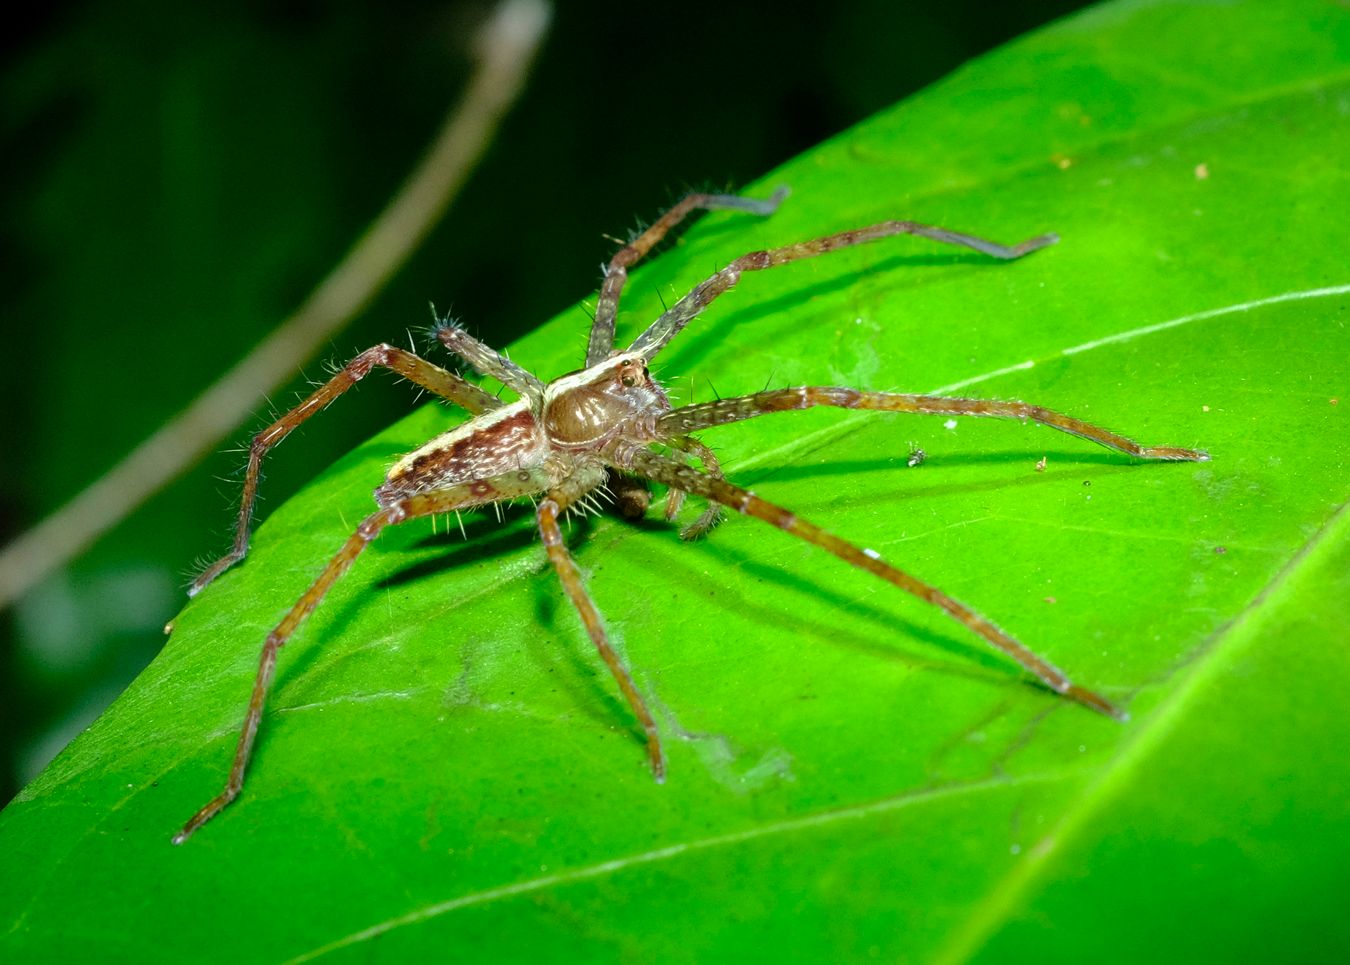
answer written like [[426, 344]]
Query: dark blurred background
[[178, 176]]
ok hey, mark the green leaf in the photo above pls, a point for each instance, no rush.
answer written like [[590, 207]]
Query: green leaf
[[446, 767]]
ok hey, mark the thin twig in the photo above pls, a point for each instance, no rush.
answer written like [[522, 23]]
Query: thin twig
[[505, 49]]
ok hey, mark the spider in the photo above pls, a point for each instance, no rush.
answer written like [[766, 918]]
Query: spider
[[610, 426]]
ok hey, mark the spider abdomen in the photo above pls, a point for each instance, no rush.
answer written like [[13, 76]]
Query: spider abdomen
[[495, 442]]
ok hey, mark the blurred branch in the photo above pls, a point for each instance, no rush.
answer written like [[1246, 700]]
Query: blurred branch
[[505, 49]]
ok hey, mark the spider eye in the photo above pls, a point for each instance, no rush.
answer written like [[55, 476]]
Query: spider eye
[[632, 373]]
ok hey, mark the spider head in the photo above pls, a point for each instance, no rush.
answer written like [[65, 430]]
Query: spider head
[[589, 408]]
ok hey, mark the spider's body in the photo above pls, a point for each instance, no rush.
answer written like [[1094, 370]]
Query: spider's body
[[610, 423], [587, 410], [580, 420], [492, 443]]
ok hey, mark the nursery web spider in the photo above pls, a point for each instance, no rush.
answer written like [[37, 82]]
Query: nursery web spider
[[595, 429]]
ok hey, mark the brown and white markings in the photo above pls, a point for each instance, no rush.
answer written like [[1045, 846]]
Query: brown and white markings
[[611, 425]]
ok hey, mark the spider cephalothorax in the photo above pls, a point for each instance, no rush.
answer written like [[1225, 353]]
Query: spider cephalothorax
[[611, 424], [587, 410]]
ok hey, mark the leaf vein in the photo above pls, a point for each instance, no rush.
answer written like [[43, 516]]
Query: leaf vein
[[614, 866]]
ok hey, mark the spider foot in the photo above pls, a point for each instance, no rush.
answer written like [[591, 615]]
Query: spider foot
[[209, 574], [1096, 702]]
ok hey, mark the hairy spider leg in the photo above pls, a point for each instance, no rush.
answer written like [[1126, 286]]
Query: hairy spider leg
[[558, 499], [705, 415], [673, 320], [486, 360], [412, 367], [666, 470], [509, 485], [601, 343], [630, 494], [710, 516]]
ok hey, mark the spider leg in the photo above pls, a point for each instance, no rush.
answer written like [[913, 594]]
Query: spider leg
[[557, 500], [704, 415], [669, 324], [488, 361], [710, 516], [412, 367], [507, 485], [616, 272], [673, 473]]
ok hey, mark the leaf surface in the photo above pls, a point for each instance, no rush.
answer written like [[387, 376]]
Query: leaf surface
[[446, 765]]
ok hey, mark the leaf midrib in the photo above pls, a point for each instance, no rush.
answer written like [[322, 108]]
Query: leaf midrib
[[1210, 658]]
